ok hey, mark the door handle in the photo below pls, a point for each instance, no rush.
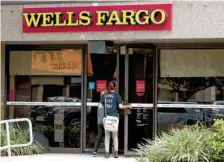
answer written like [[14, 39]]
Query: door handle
[[141, 105]]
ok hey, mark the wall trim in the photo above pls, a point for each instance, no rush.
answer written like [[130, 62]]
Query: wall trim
[[94, 2]]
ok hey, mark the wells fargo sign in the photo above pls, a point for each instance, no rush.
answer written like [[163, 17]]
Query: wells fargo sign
[[98, 18]]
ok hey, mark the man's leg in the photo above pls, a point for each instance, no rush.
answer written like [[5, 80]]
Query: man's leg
[[115, 140], [99, 138], [107, 144], [111, 146]]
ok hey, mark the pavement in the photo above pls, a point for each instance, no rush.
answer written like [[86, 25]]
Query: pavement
[[65, 158]]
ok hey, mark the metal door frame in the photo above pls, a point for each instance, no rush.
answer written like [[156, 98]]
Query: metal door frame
[[126, 100], [84, 98]]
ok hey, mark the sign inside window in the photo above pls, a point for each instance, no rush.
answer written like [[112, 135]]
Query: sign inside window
[[101, 85], [58, 61], [140, 86], [142, 116]]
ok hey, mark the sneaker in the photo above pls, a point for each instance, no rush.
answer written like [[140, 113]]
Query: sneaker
[[115, 154], [94, 154], [107, 155]]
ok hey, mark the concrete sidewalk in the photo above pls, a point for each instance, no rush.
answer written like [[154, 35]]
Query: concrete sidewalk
[[65, 158]]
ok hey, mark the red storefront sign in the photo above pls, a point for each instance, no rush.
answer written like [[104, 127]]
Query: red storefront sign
[[101, 85], [98, 18], [140, 86]]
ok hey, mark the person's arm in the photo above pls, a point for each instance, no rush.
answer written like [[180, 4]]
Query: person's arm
[[121, 105]]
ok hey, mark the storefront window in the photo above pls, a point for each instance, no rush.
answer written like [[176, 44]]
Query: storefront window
[[189, 77], [45, 86]]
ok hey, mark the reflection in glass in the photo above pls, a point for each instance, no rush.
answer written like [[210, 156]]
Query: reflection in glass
[[54, 125], [189, 77], [59, 124]]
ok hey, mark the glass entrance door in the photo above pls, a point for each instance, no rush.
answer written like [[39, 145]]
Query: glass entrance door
[[99, 69], [136, 86], [133, 74]]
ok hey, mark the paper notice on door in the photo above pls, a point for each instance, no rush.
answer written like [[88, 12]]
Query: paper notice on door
[[101, 85], [140, 86]]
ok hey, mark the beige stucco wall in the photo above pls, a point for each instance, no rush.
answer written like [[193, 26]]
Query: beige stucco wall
[[194, 20]]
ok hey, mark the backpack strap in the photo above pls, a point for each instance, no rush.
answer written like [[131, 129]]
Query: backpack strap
[[105, 109]]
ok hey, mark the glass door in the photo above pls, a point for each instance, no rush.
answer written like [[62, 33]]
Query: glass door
[[136, 86], [133, 74], [99, 70]]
